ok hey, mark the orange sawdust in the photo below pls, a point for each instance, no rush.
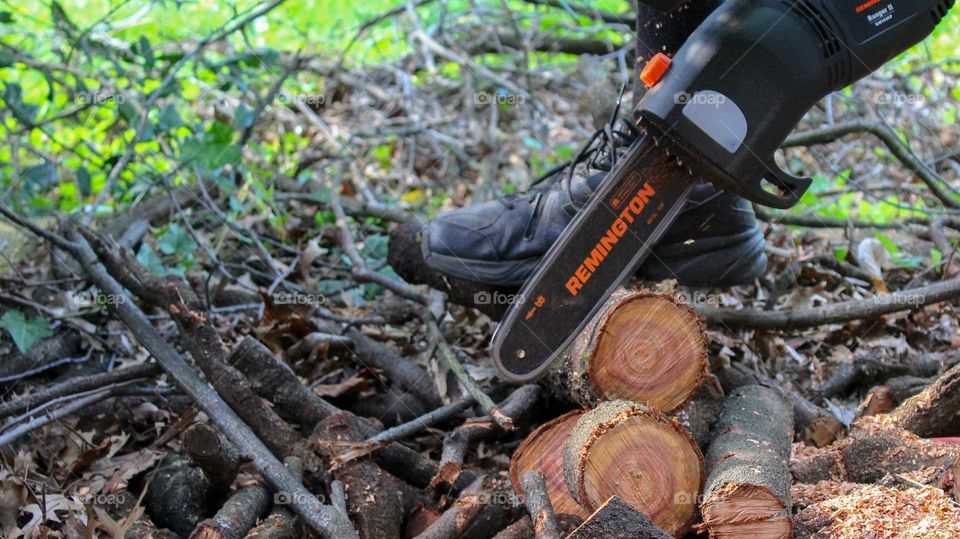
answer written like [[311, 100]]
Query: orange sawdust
[[884, 513]]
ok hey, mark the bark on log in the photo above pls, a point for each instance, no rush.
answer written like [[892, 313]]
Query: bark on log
[[482, 506], [812, 424], [542, 451], [545, 525], [747, 493], [934, 412], [406, 374], [642, 347], [374, 497], [179, 495], [701, 414], [216, 456], [237, 516], [617, 520], [625, 449], [871, 452]]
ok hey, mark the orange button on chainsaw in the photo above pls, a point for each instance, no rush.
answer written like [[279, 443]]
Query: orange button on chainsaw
[[655, 69]]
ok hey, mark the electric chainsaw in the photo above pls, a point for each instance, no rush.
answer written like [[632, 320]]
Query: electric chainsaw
[[717, 112]]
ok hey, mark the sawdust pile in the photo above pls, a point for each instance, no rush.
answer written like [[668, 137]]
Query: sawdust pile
[[885, 513]]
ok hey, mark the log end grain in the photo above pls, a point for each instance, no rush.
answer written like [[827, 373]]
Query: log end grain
[[625, 449]]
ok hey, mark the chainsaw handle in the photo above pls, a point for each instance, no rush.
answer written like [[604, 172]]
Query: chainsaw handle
[[750, 72]]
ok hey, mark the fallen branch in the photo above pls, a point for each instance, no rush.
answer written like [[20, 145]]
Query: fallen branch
[[535, 497], [846, 311], [521, 405]]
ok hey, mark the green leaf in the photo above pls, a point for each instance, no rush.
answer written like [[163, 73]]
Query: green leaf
[[888, 244], [841, 253], [169, 118], [83, 182], [244, 117], [176, 241], [6, 17], [936, 256], [25, 332], [148, 258]]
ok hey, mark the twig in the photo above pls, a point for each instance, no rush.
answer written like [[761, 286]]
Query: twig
[[79, 404], [535, 497], [324, 519], [890, 139], [77, 385], [405, 430], [451, 361]]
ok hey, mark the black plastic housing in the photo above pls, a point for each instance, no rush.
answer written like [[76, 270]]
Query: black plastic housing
[[753, 68]]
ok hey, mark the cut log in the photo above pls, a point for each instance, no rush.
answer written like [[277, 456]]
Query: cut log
[[641, 347], [214, 454], [542, 451], [872, 451], [617, 520], [812, 424], [747, 493], [626, 449], [374, 497], [935, 411], [237, 516]]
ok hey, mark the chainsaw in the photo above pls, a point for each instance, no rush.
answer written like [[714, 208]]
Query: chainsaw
[[717, 111]]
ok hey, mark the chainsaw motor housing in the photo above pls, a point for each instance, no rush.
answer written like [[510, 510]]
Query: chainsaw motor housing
[[750, 72]]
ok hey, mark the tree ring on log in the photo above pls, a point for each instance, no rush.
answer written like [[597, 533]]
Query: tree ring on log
[[626, 449]]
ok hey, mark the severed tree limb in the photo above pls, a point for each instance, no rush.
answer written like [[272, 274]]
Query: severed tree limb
[[273, 379], [324, 519], [210, 451], [238, 515], [812, 424], [935, 411], [747, 491], [521, 405], [406, 374], [405, 430], [846, 311], [535, 497], [374, 498], [281, 523]]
